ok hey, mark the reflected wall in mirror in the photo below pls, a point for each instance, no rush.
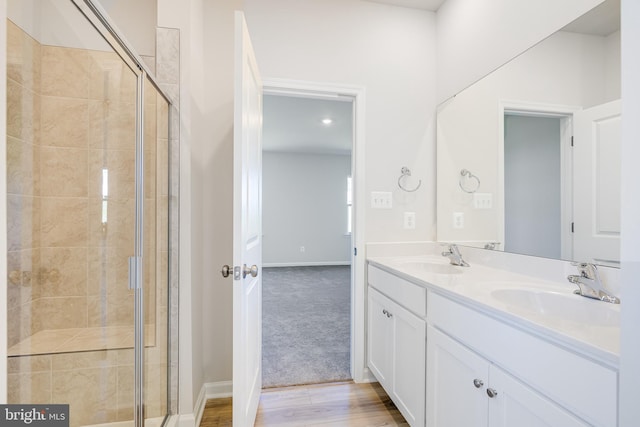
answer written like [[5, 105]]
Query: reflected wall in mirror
[[542, 136]]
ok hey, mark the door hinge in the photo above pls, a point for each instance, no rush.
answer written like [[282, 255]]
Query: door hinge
[[572, 227], [572, 140], [355, 251]]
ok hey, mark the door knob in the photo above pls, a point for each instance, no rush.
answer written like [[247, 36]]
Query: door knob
[[478, 383], [226, 270], [491, 393], [253, 271]]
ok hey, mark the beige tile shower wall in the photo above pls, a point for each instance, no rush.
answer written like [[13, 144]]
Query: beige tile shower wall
[[71, 113], [97, 385], [88, 123], [23, 183]]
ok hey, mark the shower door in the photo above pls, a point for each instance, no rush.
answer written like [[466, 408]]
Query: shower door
[[87, 184]]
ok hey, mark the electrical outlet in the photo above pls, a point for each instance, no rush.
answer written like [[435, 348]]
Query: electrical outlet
[[409, 220], [458, 220], [302, 249], [381, 200], [482, 200]]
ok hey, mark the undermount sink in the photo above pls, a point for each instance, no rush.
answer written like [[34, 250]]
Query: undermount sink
[[568, 306], [435, 267]]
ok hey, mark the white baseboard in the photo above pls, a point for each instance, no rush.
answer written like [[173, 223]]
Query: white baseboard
[[198, 409], [187, 420], [218, 389], [305, 264], [208, 391], [368, 377]]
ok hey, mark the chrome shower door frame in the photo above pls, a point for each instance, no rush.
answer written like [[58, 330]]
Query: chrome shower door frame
[[98, 18]]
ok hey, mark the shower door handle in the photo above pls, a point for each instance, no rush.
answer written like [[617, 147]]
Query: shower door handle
[[135, 272]]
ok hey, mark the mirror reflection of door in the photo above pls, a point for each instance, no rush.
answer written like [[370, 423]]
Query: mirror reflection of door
[[596, 187], [532, 185], [561, 190]]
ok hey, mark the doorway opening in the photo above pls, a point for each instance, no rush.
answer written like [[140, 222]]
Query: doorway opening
[[308, 207], [533, 185], [536, 180]]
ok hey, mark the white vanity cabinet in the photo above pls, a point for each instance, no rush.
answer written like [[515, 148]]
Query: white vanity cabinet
[[397, 342], [504, 376], [466, 390]]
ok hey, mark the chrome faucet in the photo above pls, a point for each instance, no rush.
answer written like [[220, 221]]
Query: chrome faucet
[[589, 283], [455, 257]]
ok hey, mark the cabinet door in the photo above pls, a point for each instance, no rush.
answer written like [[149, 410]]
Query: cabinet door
[[515, 404], [453, 399], [409, 342], [379, 332]]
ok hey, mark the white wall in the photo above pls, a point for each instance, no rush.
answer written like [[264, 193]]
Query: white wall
[[567, 69], [388, 50], [304, 205], [630, 236], [613, 64], [477, 36], [137, 20], [55, 23]]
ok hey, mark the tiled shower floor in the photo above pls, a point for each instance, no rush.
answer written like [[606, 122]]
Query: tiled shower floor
[[80, 339]]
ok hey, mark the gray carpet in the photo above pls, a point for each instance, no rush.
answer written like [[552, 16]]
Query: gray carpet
[[305, 325]]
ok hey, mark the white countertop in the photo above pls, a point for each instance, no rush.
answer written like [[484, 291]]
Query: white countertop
[[596, 336]]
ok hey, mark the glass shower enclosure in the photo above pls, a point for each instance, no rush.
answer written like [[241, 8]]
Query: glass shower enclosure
[[88, 219]]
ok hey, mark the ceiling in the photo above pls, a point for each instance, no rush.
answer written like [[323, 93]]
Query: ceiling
[[294, 124], [602, 20], [432, 5]]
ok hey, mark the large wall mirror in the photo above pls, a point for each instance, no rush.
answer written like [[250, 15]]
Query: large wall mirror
[[528, 156]]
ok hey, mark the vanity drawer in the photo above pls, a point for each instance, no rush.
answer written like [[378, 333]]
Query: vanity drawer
[[584, 387], [413, 297]]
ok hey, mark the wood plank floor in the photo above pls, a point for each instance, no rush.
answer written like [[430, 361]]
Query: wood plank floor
[[336, 404]]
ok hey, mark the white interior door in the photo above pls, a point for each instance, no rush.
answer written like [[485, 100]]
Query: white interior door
[[596, 184], [247, 231]]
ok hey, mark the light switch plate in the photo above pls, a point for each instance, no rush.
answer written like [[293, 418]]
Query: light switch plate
[[381, 200], [482, 200]]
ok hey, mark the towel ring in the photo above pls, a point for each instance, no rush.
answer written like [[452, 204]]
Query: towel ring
[[469, 176], [405, 171]]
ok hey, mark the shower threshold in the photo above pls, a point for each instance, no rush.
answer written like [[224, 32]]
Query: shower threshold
[[80, 339]]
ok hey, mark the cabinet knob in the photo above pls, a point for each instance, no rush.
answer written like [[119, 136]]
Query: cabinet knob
[[478, 383], [491, 393]]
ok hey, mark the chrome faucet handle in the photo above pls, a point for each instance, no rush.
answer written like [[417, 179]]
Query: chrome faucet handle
[[454, 255], [589, 283], [452, 250], [587, 270]]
